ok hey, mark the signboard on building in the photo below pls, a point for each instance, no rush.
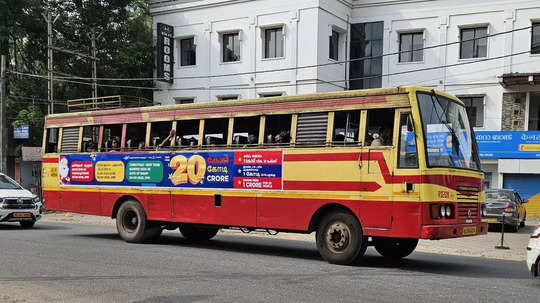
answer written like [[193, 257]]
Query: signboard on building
[[509, 144], [21, 132], [30, 153], [164, 52]]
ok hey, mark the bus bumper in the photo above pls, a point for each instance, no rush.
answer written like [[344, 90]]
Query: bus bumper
[[434, 232]]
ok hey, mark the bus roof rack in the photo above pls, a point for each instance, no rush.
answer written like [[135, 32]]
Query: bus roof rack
[[106, 102]]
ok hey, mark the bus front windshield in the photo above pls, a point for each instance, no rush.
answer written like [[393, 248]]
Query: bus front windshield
[[447, 132]]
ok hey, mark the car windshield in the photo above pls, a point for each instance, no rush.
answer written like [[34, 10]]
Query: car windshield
[[499, 195], [449, 137], [7, 183]]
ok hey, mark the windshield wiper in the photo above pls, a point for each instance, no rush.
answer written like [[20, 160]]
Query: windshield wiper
[[455, 140]]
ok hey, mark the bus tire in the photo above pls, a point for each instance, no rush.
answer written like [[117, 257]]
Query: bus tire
[[132, 225], [196, 233], [27, 224], [340, 239], [395, 248]]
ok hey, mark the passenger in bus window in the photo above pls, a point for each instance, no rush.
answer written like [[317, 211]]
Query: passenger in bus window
[[142, 145], [284, 136], [90, 146], [115, 145], [252, 139], [377, 141], [386, 136], [171, 135]]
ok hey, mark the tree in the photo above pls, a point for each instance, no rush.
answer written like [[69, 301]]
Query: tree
[[124, 47]]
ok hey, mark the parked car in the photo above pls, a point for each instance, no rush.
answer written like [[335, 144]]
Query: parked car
[[509, 203], [18, 204], [533, 252]]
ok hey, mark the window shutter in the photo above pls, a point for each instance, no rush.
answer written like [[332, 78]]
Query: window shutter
[[311, 129], [70, 139]]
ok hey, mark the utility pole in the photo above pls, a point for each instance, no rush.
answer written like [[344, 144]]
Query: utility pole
[[94, 62], [3, 131], [50, 86]]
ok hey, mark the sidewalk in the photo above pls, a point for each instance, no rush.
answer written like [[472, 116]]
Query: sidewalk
[[477, 246]]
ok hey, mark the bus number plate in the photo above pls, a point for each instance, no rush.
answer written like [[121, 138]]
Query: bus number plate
[[469, 230]]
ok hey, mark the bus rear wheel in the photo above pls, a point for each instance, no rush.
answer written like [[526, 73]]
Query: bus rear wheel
[[132, 225], [196, 233], [340, 239], [395, 248]]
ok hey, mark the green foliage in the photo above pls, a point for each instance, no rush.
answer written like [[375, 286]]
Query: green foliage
[[124, 47]]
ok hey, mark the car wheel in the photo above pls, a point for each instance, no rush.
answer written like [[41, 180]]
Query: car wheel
[[340, 239], [27, 224], [195, 233], [395, 248], [522, 223], [132, 225]]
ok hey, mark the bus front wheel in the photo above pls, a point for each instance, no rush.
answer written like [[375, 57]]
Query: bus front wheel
[[340, 239], [195, 233], [132, 225], [395, 248]]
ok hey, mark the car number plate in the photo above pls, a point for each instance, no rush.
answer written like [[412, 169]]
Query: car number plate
[[22, 215], [469, 230], [492, 219]]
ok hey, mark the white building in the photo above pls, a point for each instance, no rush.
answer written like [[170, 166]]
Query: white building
[[306, 40]]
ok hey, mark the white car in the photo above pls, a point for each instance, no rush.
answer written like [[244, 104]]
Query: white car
[[18, 204], [533, 252]]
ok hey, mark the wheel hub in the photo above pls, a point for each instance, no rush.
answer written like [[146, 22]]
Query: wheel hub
[[338, 237], [130, 221]]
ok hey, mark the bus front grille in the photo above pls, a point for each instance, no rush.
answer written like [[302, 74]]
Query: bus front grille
[[467, 210]]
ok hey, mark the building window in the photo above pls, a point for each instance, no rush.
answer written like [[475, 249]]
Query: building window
[[334, 46], [187, 52], [228, 97], [231, 47], [475, 110], [184, 100], [273, 42], [535, 41], [411, 47], [366, 41], [266, 95], [534, 111], [473, 42]]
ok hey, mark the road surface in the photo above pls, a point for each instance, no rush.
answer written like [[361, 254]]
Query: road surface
[[56, 262]]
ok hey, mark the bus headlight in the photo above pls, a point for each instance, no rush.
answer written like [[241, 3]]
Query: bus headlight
[[484, 211], [448, 211], [443, 211]]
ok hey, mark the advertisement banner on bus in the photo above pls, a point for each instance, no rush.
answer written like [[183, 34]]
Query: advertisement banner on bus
[[238, 170]]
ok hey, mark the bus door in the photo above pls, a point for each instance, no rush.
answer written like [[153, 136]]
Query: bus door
[[376, 179], [406, 175]]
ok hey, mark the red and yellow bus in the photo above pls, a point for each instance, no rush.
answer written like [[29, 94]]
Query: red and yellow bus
[[381, 167]]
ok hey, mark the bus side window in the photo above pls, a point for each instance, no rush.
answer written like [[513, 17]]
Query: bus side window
[[187, 133], [90, 138], [159, 134], [246, 131], [215, 132], [136, 136], [380, 127], [277, 129], [51, 140], [112, 134], [408, 153], [346, 125]]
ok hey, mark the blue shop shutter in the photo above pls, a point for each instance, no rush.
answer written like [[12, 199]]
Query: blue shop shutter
[[527, 185]]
